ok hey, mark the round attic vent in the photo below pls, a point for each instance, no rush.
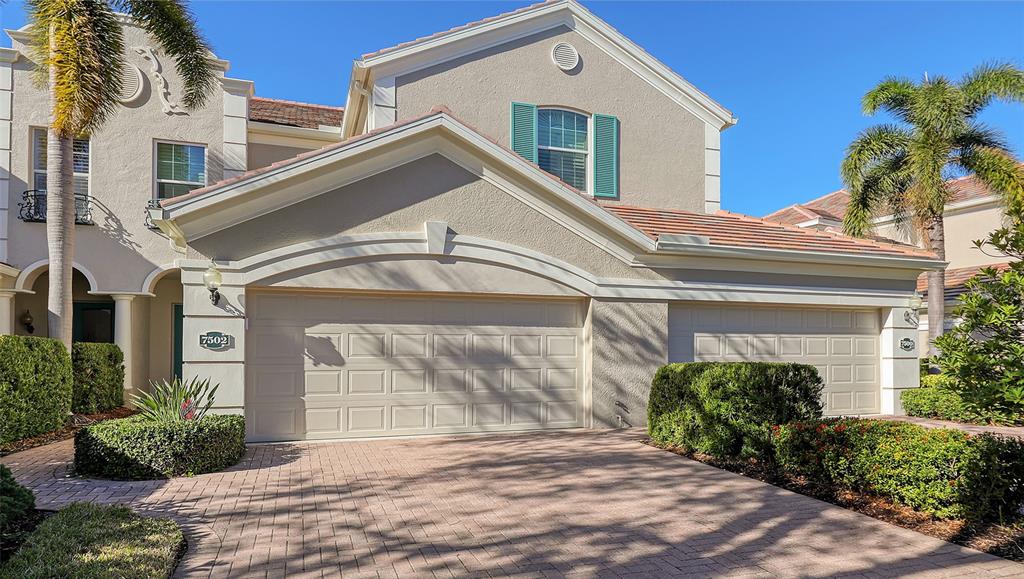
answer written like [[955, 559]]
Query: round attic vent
[[131, 83], [565, 56]]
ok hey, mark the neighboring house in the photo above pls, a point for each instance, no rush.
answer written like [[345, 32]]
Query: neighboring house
[[971, 214], [520, 224]]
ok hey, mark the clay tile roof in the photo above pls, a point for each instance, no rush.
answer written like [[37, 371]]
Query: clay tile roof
[[956, 278], [735, 230], [294, 114], [458, 28], [833, 205]]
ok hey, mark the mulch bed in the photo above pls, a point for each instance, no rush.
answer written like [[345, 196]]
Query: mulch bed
[[1006, 541], [77, 422]]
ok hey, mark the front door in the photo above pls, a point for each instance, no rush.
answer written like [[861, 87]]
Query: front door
[[179, 317]]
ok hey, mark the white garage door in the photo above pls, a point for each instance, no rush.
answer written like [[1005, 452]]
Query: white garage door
[[841, 343], [343, 365]]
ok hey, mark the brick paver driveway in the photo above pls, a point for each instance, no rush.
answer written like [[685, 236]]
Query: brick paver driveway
[[549, 504]]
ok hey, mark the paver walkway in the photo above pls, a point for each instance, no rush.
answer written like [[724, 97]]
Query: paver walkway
[[1015, 431], [580, 503]]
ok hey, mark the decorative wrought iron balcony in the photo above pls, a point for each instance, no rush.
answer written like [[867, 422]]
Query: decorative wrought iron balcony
[[33, 207]]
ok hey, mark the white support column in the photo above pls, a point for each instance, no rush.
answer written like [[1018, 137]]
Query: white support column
[[900, 369], [123, 332], [6, 313]]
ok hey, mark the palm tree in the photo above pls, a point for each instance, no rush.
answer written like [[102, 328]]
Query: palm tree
[[902, 169], [79, 48]]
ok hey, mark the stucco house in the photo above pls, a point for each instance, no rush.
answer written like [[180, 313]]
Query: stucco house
[[510, 226], [972, 213]]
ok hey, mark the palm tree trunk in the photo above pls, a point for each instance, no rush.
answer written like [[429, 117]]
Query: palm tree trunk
[[60, 225], [936, 285]]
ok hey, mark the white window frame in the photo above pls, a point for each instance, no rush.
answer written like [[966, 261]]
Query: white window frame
[[32, 160], [588, 155], [157, 180]]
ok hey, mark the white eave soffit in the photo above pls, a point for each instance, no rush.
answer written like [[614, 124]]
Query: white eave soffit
[[569, 13]]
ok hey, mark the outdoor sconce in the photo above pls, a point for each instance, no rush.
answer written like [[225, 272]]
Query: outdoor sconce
[[911, 316], [212, 278], [26, 320]]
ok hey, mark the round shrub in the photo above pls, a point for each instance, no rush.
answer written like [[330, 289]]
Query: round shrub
[[135, 448], [98, 377], [16, 501], [727, 409]]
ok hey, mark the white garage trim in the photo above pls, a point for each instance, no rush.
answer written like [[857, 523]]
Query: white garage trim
[[341, 248]]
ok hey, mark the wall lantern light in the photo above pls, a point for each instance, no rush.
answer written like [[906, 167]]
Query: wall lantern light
[[26, 320], [212, 278], [910, 315]]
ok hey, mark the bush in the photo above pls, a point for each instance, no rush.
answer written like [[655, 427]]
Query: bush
[[947, 473], [16, 501], [86, 540], [135, 448], [937, 398], [35, 386], [98, 377], [727, 409]]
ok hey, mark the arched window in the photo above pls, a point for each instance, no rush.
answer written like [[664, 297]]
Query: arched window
[[563, 145]]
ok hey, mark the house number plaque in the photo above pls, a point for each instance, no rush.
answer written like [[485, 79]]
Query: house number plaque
[[216, 341], [907, 344]]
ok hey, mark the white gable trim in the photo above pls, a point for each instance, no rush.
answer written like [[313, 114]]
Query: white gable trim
[[516, 25]]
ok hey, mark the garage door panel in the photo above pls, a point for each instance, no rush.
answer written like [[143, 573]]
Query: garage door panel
[[842, 343], [375, 367]]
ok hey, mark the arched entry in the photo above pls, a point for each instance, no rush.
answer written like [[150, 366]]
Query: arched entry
[[92, 314]]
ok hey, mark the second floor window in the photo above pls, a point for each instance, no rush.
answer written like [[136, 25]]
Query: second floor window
[[180, 168], [79, 157], [563, 145]]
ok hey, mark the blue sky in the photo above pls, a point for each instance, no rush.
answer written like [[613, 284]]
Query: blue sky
[[792, 72]]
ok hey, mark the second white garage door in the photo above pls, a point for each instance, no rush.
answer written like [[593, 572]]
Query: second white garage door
[[343, 365], [841, 343]]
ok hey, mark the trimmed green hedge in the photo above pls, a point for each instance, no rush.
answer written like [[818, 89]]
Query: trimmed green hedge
[[92, 541], [16, 501], [135, 448], [98, 377], [937, 398], [728, 409], [35, 386], [947, 473]]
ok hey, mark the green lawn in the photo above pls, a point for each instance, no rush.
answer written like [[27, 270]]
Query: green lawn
[[86, 540]]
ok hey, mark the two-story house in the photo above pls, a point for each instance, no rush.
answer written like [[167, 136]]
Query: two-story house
[[972, 213], [516, 223]]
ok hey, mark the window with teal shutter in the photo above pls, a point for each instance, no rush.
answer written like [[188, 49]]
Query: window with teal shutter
[[606, 156], [524, 130]]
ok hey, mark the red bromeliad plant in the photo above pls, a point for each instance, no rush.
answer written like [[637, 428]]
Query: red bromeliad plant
[[176, 400]]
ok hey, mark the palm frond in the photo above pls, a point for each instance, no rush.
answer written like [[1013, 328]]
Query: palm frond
[[872, 146], [999, 171], [79, 49], [174, 28], [988, 82], [882, 186], [938, 108], [894, 95], [977, 135]]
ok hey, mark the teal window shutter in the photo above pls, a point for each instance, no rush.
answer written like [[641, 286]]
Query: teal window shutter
[[524, 130], [606, 156]]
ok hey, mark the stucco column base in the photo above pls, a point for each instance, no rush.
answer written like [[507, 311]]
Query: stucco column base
[[123, 333], [6, 313], [900, 357]]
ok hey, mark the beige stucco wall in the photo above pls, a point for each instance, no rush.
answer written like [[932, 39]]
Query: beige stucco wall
[[963, 227], [119, 250], [629, 342], [401, 200], [262, 154], [661, 144]]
